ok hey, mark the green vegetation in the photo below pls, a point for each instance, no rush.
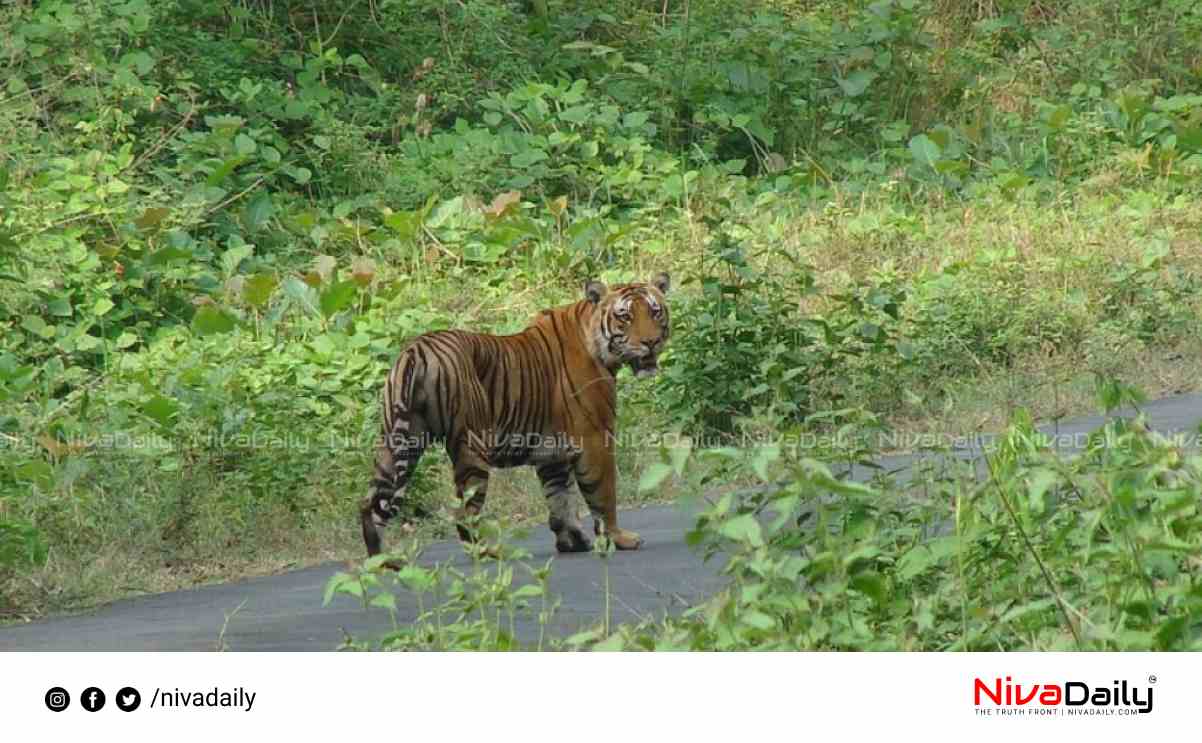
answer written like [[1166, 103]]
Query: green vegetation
[[1095, 553], [219, 221]]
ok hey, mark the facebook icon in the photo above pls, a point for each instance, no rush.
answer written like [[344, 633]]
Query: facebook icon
[[92, 699]]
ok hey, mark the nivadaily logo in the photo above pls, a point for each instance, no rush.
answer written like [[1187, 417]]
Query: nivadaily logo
[[1064, 698]]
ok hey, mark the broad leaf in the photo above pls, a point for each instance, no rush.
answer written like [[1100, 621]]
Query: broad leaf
[[212, 320]]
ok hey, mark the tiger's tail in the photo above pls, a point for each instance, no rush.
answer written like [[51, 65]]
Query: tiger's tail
[[401, 444]]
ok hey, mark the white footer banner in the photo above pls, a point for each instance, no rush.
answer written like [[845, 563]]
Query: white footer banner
[[602, 696]]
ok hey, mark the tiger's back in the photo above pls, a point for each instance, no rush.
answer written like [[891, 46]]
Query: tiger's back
[[505, 397]]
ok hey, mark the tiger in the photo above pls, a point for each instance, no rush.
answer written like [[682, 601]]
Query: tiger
[[544, 397]]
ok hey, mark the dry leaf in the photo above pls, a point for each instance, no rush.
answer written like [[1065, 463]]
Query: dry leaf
[[324, 266], [363, 270], [504, 203]]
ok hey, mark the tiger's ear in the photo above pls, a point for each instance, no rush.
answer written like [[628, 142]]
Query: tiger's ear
[[662, 282], [594, 290]]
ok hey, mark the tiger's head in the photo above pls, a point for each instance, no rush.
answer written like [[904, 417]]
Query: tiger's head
[[629, 324]]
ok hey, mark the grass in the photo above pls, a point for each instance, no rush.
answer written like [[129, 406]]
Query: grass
[[1050, 388]]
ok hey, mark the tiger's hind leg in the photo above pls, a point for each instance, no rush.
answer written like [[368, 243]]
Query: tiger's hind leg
[[397, 454], [471, 485], [557, 483]]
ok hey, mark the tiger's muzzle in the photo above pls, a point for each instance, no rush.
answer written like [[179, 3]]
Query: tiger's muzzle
[[644, 362]]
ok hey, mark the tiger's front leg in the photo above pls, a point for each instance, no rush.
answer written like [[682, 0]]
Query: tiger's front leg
[[597, 475]]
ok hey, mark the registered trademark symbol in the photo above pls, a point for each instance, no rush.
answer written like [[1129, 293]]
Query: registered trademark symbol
[[1152, 679]]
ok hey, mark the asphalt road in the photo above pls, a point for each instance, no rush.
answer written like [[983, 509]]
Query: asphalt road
[[285, 612]]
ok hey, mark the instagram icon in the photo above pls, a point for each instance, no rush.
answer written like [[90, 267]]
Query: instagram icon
[[57, 699]]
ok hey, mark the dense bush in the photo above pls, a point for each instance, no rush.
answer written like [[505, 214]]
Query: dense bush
[[1050, 554]]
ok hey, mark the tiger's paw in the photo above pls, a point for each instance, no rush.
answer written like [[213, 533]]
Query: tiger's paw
[[626, 540], [572, 540]]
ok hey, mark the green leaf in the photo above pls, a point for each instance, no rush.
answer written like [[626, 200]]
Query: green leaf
[[583, 638], [924, 556], [527, 158], [757, 619], [257, 289], [743, 528], [952, 167], [653, 476], [139, 61], [1011, 181], [415, 578], [244, 145], [38, 326], [301, 294], [383, 601], [445, 211], [528, 591], [1059, 117], [102, 306], [212, 320], [576, 114], [298, 174], [125, 340], [168, 255], [233, 257], [223, 171], [870, 584], [332, 585], [405, 224], [258, 211], [161, 410], [924, 150], [152, 217], [856, 83], [612, 644], [60, 307], [337, 297], [895, 131], [1031, 607], [1038, 484], [635, 119]]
